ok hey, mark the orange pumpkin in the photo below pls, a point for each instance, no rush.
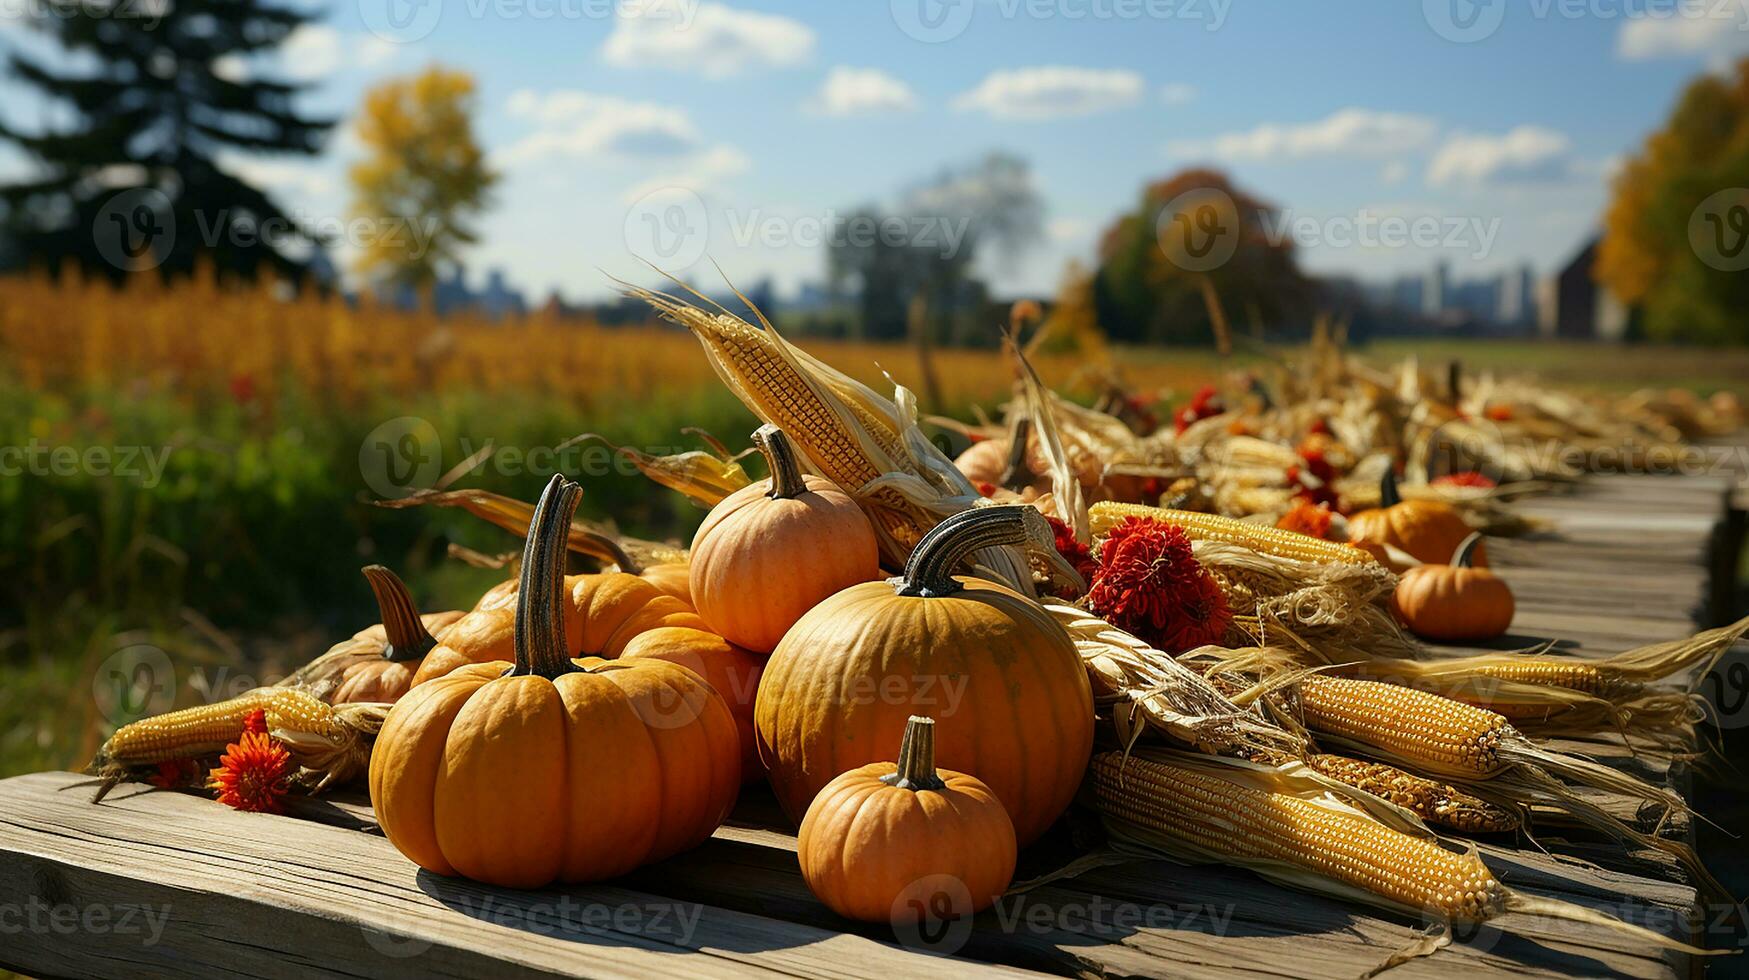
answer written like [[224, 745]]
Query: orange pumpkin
[[553, 769], [731, 670], [377, 663], [1428, 530], [1005, 683], [770, 551], [1454, 602], [896, 843]]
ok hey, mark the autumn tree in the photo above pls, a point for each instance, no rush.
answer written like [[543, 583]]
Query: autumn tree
[[423, 180], [1676, 235], [1188, 233]]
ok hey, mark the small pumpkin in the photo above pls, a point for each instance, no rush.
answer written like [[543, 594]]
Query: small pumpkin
[[1454, 602], [892, 843], [731, 670], [1003, 679], [377, 663], [770, 551], [1427, 530], [553, 769]]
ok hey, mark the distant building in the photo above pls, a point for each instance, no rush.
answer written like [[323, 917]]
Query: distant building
[[1434, 299], [1572, 305], [1517, 305]]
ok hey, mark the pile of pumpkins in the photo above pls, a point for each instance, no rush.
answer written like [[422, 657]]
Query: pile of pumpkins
[[611, 719]]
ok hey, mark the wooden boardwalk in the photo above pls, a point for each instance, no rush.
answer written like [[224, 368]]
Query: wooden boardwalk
[[154, 883]]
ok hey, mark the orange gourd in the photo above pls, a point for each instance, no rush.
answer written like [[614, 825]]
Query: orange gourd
[[552, 769], [1454, 602], [898, 843], [731, 670], [770, 551], [1427, 530], [1002, 678]]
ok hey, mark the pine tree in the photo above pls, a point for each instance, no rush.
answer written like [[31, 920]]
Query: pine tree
[[133, 180]]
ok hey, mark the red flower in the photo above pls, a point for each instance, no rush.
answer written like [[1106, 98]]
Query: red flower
[[986, 489], [175, 773], [1499, 413], [1074, 552], [242, 388], [256, 721], [253, 774], [1150, 583], [1468, 478], [1206, 403], [1307, 518]]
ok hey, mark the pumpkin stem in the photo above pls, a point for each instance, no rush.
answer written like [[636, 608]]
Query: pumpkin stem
[[408, 637], [1388, 495], [916, 770], [1018, 475], [1466, 552], [942, 550], [540, 599], [615, 551], [780, 458]]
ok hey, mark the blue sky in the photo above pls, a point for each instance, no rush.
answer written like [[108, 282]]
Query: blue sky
[[740, 126]]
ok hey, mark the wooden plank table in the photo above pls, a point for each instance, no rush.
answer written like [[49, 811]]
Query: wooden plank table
[[155, 883]]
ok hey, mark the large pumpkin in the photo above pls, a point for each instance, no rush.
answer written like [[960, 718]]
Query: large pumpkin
[[377, 663], [1428, 530], [898, 843], [602, 614], [770, 551], [1002, 679], [1454, 602], [731, 670], [553, 769]]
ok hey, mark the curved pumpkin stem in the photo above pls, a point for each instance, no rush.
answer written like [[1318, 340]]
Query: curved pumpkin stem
[[540, 599], [917, 757], [942, 550], [1388, 495], [780, 457], [1017, 475], [1466, 552], [408, 637], [615, 551]]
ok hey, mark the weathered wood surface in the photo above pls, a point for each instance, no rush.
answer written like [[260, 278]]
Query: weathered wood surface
[[320, 892]]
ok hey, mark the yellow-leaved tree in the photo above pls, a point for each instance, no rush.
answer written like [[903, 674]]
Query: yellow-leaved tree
[[423, 180], [1676, 236]]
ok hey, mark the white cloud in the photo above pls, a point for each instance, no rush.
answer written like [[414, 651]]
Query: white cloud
[[1524, 154], [312, 52], [278, 175], [1178, 93], [861, 91], [1347, 132], [1681, 35], [709, 39], [572, 125], [1052, 91], [703, 172], [1068, 229], [1394, 172]]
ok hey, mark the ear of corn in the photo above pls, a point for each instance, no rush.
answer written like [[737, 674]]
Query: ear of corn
[[1433, 801], [1432, 732], [190, 732], [1221, 819], [1263, 538]]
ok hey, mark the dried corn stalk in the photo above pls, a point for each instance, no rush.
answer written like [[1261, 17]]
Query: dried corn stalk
[[587, 537], [703, 477]]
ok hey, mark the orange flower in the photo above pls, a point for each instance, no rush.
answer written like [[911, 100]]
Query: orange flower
[[1307, 518], [256, 721], [175, 774], [253, 775]]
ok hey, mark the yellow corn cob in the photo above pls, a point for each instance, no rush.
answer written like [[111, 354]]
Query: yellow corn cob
[[1211, 527], [1571, 674], [206, 729], [1218, 816], [1428, 730], [1431, 800]]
